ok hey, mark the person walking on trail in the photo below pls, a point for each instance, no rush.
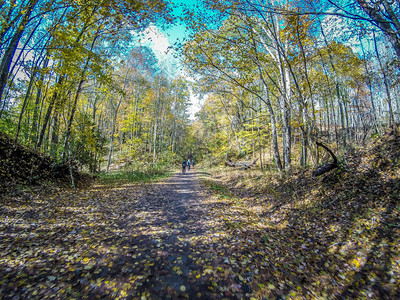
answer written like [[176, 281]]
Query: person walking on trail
[[184, 166], [192, 163], [188, 164]]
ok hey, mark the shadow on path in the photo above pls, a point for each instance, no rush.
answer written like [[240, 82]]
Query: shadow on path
[[136, 241], [171, 250], [175, 216]]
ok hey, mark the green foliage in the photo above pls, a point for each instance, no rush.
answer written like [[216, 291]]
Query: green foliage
[[7, 123], [167, 158], [87, 144], [142, 173], [218, 188]]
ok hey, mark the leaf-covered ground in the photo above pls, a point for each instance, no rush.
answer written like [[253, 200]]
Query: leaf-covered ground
[[334, 237], [22, 167], [253, 237], [154, 241]]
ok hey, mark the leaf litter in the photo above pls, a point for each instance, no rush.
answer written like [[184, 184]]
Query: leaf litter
[[296, 238], [140, 241], [334, 237]]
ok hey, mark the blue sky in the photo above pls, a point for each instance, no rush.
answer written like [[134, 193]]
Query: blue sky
[[178, 31], [159, 40]]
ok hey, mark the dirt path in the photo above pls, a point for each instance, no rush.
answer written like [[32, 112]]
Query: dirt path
[[175, 239], [149, 241], [174, 215]]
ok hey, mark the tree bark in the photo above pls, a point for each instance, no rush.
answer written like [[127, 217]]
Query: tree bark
[[156, 124], [325, 168], [24, 104], [243, 165], [385, 81], [267, 101], [113, 127], [337, 89], [78, 92], [35, 125], [12, 47], [259, 144], [49, 111], [55, 133]]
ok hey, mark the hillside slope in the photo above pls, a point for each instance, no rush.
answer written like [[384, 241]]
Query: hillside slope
[[23, 167], [334, 236]]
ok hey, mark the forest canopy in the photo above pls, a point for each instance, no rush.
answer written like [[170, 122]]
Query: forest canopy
[[283, 184], [75, 82], [275, 78], [281, 76]]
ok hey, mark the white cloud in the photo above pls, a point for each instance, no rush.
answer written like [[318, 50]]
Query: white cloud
[[158, 42], [197, 104]]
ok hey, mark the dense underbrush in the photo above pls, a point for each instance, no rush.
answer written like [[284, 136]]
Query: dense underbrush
[[333, 236]]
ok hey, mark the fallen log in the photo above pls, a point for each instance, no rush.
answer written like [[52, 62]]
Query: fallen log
[[243, 165], [229, 163], [325, 168]]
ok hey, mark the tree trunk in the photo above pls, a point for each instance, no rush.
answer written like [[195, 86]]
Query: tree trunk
[[111, 151], [259, 144], [34, 128], [267, 101], [325, 168], [49, 111], [25, 103], [243, 165], [12, 47], [385, 81], [55, 134], [369, 83], [156, 124], [78, 92], [285, 110], [337, 89]]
